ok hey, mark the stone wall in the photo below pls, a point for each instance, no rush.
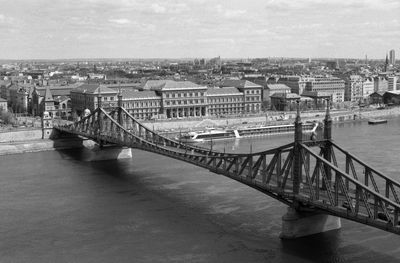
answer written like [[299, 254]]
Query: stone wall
[[21, 135]]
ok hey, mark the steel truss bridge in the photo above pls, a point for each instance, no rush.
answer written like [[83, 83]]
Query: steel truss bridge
[[316, 175]]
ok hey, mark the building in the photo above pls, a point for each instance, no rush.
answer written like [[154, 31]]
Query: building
[[353, 88], [252, 97], [328, 85], [143, 105], [367, 88], [392, 83], [284, 101], [224, 101], [60, 96], [179, 98], [392, 97], [380, 83], [3, 105], [392, 57], [273, 88], [295, 83], [319, 99], [5, 89], [86, 97], [376, 97]]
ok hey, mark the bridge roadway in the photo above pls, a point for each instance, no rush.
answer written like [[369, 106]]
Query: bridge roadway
[[294, 174]]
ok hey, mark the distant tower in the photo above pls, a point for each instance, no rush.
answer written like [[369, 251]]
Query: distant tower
[[366, 59], [386, 62], [392, 60]]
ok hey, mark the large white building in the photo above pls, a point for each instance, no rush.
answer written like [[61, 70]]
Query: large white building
[[367, 88]]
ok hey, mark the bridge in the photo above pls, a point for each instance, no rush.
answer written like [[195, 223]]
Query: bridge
[[319, 180]]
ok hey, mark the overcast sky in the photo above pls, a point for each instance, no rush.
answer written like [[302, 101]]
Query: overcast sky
[[198, 28]]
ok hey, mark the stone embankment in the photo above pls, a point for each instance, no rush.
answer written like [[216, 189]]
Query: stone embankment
[[39, 145]]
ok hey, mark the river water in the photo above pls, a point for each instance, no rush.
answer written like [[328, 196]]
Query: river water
[[54, 207]]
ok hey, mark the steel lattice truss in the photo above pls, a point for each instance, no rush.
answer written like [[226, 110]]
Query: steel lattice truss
[[296, 174]]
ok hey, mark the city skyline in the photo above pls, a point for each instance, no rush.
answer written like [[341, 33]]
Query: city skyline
[[198, 28]]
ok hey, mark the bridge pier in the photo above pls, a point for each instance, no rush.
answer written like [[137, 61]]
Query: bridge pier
[[96, 152], [297, 223]]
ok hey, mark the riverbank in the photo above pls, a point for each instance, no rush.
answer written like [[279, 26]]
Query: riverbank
[[39, 145], [173, 128]]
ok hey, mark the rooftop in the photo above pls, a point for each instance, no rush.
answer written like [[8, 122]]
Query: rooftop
[[93, 89], [285, 95], [161, 85], [239, 83], [278, 86], [128, 94], [223, 91], [315, 94]]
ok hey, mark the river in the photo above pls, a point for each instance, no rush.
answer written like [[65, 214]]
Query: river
[[54, 207]]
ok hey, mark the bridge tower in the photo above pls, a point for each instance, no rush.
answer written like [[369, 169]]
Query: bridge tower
[[298, 220], [47, 125]]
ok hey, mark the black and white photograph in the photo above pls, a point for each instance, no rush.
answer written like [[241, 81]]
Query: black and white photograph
[[199, 131]]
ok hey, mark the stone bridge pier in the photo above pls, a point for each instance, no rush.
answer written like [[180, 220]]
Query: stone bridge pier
[[298, 221], [97, 152]]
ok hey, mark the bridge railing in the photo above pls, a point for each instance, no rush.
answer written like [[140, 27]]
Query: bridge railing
[[325, 185], [366, 174]]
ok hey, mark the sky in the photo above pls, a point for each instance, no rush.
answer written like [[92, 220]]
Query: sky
[[57, 29]]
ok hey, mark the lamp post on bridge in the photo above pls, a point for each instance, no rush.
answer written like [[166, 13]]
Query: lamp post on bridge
[[328, 122], [120, 119], [298, 138], [327, 148], [99, 116]]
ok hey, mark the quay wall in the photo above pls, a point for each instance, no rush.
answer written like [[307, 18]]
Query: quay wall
[[20, 135], [40, 145]]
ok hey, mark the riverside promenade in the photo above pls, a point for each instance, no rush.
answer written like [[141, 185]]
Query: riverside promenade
[[269, 118]]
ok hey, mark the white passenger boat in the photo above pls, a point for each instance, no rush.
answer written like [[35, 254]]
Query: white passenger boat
[[216, 134], [270, 130], [209, 134]]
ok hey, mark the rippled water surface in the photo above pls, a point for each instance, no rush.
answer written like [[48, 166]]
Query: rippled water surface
[[56, 208]]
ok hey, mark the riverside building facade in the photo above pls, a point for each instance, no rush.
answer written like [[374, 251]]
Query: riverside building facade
[[179, 98], [335, 87], [169, 99], [224, 101]]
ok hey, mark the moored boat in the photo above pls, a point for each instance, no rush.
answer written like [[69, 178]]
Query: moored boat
[[376, 121], [209, 134], [215, 134], [270, 130]]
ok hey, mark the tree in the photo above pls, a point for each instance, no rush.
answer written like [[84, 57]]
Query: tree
[[7, 117]]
